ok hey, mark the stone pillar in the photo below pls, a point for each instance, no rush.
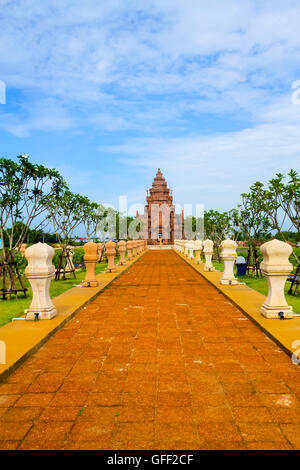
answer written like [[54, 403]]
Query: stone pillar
[[134, 247], [90, 261], [198, 249], [276, 267], [70, 264], [191, 249], [208, 249], [39, 272], [111, 253], [100, 248], [228, 255], [186, 247], [122, 251], [129, 254]]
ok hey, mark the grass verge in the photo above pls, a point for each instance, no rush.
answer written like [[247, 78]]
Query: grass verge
[[15, 307], [260, 285]]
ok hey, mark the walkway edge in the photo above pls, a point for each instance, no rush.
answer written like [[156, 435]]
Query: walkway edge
[[285, 333], [24, 338]]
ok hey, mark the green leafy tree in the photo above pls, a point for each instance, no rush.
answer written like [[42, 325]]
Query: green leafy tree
[[66, 213], [25, 190], [91, 217], [281, 202], [218, 225], [251, 219]]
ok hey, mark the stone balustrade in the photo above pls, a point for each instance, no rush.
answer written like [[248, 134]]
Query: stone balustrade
[[70, 266], [111, 253], [198, 249], [228, 255], [129, 250], [122, 251], [208, 249], [134, 248], [276, 267], [191, 249], [39, 272], [186, 248], [91, 250]]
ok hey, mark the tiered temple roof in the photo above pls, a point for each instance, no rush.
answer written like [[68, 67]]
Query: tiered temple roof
[[159, 192], [160, 222]]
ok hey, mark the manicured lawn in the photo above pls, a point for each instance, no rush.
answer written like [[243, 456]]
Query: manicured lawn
[[15, 307], [260, 284]]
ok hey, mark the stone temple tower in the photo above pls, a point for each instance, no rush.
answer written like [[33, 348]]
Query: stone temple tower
[[160, 222]]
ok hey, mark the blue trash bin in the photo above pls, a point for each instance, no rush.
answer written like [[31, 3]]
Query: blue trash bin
[[241, 269], [241, 266]]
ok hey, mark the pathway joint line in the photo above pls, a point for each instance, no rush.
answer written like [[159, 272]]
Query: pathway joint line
[[249, 301], [22, 339]]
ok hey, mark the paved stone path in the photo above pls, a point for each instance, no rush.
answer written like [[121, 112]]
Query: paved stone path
[[159, 360]]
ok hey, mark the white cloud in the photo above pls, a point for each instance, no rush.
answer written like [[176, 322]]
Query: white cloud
[[216, 169], [159, 68]]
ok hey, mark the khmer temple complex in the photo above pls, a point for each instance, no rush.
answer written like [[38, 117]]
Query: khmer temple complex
[[160, 223]]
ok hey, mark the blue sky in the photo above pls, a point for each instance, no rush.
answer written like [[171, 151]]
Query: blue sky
[[107, 92]]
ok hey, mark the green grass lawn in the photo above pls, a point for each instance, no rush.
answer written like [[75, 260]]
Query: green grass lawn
[[260, 285], [15, 307]]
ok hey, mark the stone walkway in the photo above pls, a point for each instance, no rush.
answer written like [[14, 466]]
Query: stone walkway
[[159, 360]]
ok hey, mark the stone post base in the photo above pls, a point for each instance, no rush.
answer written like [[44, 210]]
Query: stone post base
[[272, 312], [230, 282], [90, 283], [44, 314], [206, 269], [111, 270]]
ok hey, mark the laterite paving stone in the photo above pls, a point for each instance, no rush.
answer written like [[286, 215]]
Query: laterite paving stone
[[159, 360]]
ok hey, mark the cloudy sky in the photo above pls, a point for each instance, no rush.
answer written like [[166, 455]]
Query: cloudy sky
[[108, 91]]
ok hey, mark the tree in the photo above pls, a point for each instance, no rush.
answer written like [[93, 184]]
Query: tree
[[32, 236], [281, 202], [25, 189], [251, 220], [91, 217], [66, 213], [218, 225]]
